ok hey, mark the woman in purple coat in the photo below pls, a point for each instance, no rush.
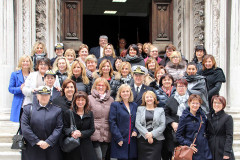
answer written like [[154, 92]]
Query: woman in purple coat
[[16, 84], [122, 125]]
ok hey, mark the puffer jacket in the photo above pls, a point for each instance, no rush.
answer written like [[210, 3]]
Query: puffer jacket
[[176, 71], [100, 109], [162, 96], [61, 76]]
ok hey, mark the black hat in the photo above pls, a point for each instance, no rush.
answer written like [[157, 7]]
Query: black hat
[[50, 72], [59, 46], [43, 90], [139, 70]]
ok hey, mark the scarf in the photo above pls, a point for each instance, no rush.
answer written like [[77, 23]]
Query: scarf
[[182, 102], [127, 79], [168, 92]]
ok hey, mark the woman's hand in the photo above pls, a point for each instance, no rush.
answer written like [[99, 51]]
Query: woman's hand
[[148, 135], [59, 89], [194, 148], [76, 134], [34, 90], [226, 157], [134, 134], [22, 86], [150, 140], [43, 144], [120, 143], [174, 126]]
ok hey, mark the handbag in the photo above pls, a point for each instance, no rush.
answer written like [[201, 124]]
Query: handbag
[[185, 152], [70, 143], [18, 140]]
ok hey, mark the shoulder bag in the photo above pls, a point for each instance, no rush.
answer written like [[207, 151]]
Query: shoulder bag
[[70, 143], [185, 152]]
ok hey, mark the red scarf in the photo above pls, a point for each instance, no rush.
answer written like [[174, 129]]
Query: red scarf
[[168, 92]]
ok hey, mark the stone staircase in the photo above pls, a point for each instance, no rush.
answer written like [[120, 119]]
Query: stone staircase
[[8, 129]]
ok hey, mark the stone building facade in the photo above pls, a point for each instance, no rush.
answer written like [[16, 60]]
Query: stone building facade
[[215, 23]]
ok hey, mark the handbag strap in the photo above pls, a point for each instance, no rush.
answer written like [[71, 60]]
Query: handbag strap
[[72, 121], [30, 115], [198, 130]]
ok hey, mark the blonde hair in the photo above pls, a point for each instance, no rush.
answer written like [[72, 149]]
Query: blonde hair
[[35, 48], [124, 64], [101, 66], [154, 97], [90, 57], [100, 79], [55, 64], [147, 45], [70, 51], [149, 60], [22, 58], [83, 72], [123, 86], [83, 46], [113, 52], [176, 53]]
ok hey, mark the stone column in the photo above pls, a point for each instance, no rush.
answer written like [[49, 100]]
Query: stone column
[[7, 52], [234, 76]]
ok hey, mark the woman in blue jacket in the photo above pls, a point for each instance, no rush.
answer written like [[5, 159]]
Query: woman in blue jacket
[[122, 125], [188, 128], [25, 66]]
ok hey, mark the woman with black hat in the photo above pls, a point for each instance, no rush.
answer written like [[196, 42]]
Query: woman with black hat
[[41, 125]]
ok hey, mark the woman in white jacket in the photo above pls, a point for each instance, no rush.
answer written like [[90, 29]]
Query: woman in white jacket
[[36, 79]]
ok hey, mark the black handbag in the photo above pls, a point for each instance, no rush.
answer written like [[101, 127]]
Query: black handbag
[[70, 143], [18, 141]]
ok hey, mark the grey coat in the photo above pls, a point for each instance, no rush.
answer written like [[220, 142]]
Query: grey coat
[[158, 125]]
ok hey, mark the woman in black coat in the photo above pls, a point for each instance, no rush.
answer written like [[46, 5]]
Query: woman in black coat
[[173, 110], [198, 56], [220, 130], [41, 126], [85, 128], [133, 56], [214, 75]]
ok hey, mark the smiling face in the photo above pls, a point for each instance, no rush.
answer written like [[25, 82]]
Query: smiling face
[[125, 94], [26, 63], [169, 52], [49, 80], [152, 66], [154, 53], [217, 105], [209, 63], [160, 73], [103, 42], [80, 102], [118, 64], [39, 49], [191, 70], [140, 49], [83, 53], [69, 90], [167, 82], [62, 65], [59, 52], [125, 71], [42, 67], [132, 52], [106, 68], [77, 70], [181, 89], [138, 79], [149, 99], [101, 87], [91, 65], [194, 105], [108, 50], [175, 60], [199, 54], [70, 58]]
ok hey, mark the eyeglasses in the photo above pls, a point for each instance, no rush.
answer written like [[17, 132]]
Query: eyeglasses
[[217, 103]]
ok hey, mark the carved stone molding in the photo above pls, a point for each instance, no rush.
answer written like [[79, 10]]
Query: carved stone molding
[[58, 20], [179, 24], [41, 20], [215, 29], [26, 27], [199, 22]]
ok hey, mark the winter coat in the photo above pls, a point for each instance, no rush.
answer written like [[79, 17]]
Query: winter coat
[[100, 109], [41, 123], [163, 97], [176, 71], [136, 60], [164, 61], [110, 58], [158, 123], [215, 77], [149, 78], [138, 97], [61, 76], [113, 84], [62, 103], [86, 126], [187, 129], [197, 85], [30, 84], [220, 135], [14, 87], [121, 129], [154, 85], [81, 86]]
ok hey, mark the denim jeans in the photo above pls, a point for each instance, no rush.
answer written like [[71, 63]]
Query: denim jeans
[[100, 149]]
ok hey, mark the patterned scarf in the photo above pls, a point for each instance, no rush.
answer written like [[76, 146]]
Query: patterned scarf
[[127, 79], [182, 102], [168, 92]]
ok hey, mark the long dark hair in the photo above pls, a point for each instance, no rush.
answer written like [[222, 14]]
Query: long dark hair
[[198, 48], [79, 95]]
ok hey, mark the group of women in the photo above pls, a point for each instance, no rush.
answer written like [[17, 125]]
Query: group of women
[[108, 122]]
